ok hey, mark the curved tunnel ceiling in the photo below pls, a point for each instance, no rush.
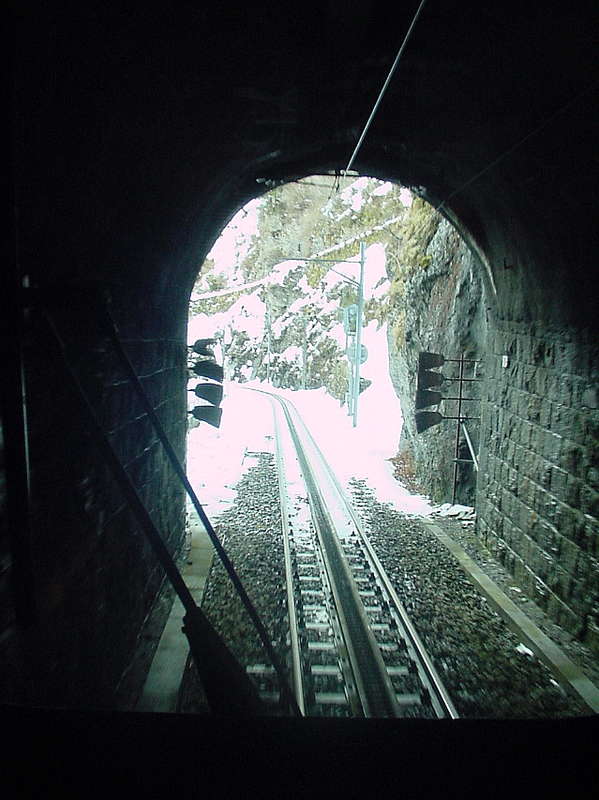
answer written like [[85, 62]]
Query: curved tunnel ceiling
[[139, 135]]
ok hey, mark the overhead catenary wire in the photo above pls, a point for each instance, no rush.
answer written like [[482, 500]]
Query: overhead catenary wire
[[492, 164], [384, 88]]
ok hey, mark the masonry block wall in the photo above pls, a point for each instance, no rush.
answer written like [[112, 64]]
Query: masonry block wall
[[95, 576], [128, 160], [538, 492], [7, 610]]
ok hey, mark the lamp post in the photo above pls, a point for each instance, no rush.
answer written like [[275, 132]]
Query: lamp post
[[358, 352], [359, 284]]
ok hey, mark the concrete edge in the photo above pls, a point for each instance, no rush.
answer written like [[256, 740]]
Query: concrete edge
[[563, 668], [160, 692]]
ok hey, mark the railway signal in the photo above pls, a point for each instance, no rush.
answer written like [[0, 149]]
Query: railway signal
[[428, 384], [208, 369], [203, 347], [426, 398], [427, 419], [427, 379], [350, 319], [210, 390]]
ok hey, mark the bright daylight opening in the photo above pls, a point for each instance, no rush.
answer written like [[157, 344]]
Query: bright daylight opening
[[325, 301], [281, 322]]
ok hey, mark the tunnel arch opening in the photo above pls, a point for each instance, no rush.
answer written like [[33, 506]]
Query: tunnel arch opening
[[325, 216], [518, 363], [105, 189]]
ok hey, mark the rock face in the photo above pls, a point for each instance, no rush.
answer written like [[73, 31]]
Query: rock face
[[437, 304]]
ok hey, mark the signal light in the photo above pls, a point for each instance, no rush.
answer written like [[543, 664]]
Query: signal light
[[426, 398], [211, 392], [426, 378], [203, 347], [350, 319], [427, 419], [210, 414], [209, 369], [428, 360]]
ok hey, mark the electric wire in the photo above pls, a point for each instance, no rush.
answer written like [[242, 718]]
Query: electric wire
[[384, 89], [491, 165], [286, 691]]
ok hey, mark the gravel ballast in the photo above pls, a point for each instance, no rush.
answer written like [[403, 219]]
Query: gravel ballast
[[487, 669]]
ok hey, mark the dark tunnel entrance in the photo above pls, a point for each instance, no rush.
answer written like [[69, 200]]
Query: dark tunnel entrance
[[123, 176], [423, 287], [461, 292]]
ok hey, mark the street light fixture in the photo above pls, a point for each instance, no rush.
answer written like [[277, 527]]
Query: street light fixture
[[354, 364]]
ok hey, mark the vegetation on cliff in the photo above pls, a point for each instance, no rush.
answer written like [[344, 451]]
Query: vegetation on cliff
[[283, 322], [318, 217]]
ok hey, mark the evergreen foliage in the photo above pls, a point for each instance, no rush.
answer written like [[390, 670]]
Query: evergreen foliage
[[315, 218]]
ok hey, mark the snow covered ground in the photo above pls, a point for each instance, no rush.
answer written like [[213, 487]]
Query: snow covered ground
[[215, 459]]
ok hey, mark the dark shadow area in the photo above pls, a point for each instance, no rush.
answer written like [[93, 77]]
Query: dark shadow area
[[91, 753], [136, 133]]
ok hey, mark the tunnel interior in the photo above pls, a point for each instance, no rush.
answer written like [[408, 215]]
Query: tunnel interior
[[133, 146]]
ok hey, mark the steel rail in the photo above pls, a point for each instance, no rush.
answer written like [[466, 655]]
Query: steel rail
[[444, 706], [299, 537], [375, 690], [297, 679], [445, 702]]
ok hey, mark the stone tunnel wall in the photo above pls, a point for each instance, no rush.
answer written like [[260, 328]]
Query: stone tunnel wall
[[106, 190], [537, 492], [441, 308], [95, 575], [538, 489]]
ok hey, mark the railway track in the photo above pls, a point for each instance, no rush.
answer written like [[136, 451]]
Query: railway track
[[353, 651]]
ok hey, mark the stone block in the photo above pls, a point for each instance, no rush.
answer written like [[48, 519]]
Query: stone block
[[552, 446], [588, 573], [565, 520], [520, 407], [573, 458], [528, 373], [578, 598], [559, 415], [541, 563], [589, 501], [558, 581], [586, 534], [558, 481], [545, 475], [591, 637], [536, 436], [569, 555], [572, 495], [512, 480], [544, 410], [589, 396], [540, 593], [549, 356], [563, 615], [592, 477]]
